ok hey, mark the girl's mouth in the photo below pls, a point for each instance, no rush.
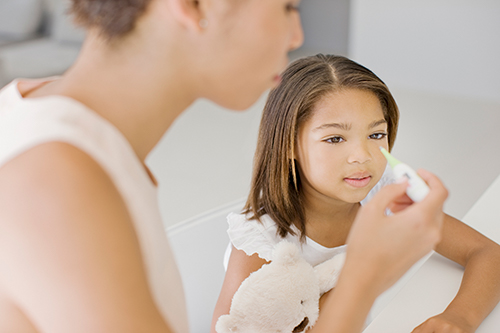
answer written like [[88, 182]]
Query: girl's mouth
[[358, 182]]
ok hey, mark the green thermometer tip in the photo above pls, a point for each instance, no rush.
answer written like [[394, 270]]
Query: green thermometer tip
[[392, 161]]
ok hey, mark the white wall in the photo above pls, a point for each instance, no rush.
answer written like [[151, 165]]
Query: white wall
[[326, 25], [205, 159], [444, 46]]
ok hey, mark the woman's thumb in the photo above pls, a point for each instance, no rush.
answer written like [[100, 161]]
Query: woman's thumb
[[387, 195]]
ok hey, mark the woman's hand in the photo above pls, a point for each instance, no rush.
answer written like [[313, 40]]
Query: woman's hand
[[387, 246], [381, 249], [444, 323]]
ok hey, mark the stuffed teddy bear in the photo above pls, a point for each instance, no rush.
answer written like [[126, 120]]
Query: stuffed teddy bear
[[282, 296]]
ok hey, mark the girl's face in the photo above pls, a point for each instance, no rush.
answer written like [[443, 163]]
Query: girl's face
[[250, 42], [337, 149]]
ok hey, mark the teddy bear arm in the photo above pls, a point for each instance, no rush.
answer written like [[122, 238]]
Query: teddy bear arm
[[226, 324], [328, 272]]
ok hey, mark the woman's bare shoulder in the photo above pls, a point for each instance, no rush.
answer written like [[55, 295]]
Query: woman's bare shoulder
[[68, 243], [53, 178]]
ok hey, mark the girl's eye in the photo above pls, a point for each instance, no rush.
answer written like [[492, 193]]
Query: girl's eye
[[378, 136], [335, 139]]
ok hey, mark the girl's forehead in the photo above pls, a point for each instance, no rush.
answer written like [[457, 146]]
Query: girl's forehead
[[346, 105]]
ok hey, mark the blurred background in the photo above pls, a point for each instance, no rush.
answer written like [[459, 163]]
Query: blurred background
[[440, 58]]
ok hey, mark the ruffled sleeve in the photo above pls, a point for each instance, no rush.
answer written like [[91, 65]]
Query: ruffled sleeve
[[252, 236]]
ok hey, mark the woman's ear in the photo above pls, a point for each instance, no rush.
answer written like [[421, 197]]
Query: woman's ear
[[190, 13]]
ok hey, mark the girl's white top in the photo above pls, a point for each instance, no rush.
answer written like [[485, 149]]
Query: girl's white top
[[253, 237], [26, 123]]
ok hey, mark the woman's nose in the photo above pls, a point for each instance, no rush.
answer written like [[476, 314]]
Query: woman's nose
[[297, 34]]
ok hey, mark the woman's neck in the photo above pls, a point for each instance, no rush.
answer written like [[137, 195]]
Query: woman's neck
[[126, 89]]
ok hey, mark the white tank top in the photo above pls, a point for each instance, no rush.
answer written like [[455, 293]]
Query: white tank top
[[26, 123]]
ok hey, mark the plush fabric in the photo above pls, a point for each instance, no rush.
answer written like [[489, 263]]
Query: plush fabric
[[282, 296]]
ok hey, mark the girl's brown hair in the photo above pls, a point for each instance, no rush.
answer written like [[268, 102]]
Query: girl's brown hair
[[275, 188], [113, 18]]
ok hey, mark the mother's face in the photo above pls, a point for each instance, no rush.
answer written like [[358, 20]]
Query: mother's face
[[250, 41]]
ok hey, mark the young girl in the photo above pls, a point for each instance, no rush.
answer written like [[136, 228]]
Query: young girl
[[317, 162]]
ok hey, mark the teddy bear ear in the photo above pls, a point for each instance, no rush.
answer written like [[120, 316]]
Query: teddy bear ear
[[286, 253], [226, 324]]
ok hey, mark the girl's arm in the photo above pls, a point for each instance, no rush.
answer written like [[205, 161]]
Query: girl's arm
[[480, 289], [69, 255], [240, 266]]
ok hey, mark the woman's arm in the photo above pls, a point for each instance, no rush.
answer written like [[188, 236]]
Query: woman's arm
[[69, 255], [240, 266], [380, 250], [480, 289]]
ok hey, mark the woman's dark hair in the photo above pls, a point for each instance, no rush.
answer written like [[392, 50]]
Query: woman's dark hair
[[113, 18], [275, 188]]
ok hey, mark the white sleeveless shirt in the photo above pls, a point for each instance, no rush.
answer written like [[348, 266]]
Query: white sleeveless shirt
[[26, 123]]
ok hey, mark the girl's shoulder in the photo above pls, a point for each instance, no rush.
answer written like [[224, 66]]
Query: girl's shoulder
[[252, 235], [261, 237]]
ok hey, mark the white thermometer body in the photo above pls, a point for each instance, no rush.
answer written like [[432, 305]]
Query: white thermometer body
[[417, 188]]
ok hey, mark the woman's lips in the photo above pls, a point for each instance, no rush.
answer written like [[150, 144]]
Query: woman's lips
[[358, 182]]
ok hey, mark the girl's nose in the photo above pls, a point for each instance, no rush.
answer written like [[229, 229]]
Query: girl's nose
[[359, 154]]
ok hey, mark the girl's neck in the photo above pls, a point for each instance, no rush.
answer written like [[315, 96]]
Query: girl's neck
[[329, 225]]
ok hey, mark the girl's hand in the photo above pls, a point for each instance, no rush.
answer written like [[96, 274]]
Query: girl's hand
[[444, 323]]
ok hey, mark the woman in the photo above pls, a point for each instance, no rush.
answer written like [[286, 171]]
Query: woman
[[82, 245]]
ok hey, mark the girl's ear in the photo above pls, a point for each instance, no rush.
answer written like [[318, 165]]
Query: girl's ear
[[190, 13]]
